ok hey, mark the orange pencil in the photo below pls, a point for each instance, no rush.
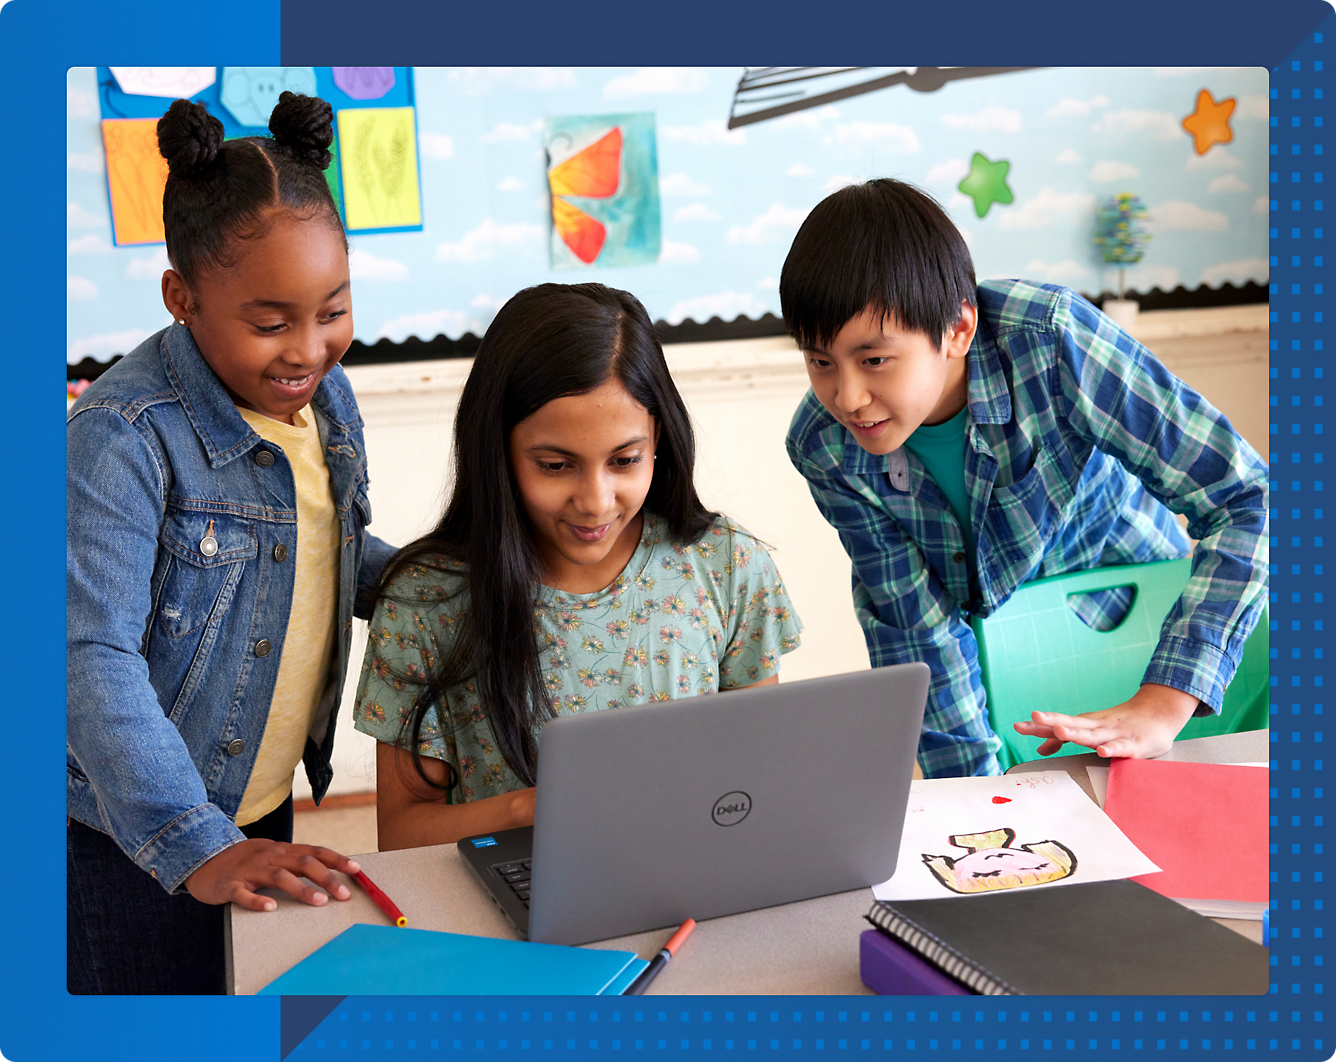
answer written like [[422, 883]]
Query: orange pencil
[[380, 899]]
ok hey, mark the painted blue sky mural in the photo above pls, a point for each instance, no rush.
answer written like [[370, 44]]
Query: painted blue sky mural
[[730, 200]]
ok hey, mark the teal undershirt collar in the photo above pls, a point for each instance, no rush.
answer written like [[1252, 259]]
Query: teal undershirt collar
[[941, 449]]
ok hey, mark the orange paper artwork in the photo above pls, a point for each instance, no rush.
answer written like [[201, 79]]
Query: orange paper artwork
[[591, 172], [136, 176]]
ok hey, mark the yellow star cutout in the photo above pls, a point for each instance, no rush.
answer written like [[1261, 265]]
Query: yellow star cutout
[[1209, 123]]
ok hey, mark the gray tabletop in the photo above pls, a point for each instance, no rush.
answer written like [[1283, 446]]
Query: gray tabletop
[[806, 948], [810, 947]]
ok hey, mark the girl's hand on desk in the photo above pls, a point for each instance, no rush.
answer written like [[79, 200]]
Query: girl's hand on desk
[[235, 873], [1140, 728]]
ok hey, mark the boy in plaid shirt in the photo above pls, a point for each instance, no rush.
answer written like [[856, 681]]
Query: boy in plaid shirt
[[964, 439]]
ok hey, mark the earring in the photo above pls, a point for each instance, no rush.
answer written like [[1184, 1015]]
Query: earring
[[181, 322]]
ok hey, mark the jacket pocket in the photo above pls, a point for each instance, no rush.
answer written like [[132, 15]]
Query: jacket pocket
[[1027, 514], [205, 554]]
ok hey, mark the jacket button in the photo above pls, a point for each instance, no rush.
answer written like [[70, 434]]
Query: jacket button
[[263, 647], [236, 747], [959, 558], [264, 458], [280, 552]]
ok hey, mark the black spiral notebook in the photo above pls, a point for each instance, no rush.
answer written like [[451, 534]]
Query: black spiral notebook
[[1099, 938]]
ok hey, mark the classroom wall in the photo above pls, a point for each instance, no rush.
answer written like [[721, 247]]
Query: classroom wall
[[741, 395], [731, 200]]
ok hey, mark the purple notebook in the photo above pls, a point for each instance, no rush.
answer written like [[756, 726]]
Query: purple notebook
[[891, 969]]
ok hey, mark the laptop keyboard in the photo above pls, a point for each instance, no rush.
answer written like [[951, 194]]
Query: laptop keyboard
[[517, 876]]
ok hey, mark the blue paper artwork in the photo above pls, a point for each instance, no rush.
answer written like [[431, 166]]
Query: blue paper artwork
[[603, 174], [250, 92], [364, 82]]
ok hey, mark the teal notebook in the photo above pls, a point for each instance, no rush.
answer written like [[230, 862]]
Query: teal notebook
[[366, 960]]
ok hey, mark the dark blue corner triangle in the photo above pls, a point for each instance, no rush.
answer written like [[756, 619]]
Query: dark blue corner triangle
[[298, 1017]]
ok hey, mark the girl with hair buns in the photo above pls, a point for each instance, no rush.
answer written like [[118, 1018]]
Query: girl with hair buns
[[216, 552]]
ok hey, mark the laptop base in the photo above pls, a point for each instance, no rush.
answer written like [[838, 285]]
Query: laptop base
[[502, 862]]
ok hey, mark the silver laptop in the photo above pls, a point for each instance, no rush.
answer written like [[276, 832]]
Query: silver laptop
[[708, 806]]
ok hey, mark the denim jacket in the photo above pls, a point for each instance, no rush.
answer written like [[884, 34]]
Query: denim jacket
[[173, 643]]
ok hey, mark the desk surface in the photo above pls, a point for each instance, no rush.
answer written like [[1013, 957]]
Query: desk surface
[[806, 948], [810, 947]]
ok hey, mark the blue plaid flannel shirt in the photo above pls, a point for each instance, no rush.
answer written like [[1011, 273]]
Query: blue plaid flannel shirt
[[1078, 441]]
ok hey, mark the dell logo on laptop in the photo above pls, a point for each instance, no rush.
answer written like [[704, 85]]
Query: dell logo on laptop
[[731, 808]]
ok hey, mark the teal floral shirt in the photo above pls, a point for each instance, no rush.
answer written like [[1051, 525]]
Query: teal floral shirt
[[679, 621]]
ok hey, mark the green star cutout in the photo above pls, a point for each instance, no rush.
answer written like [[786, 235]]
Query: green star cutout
[[986, 183]]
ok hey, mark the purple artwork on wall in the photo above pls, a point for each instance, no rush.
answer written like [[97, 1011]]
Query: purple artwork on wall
[[364, 82]]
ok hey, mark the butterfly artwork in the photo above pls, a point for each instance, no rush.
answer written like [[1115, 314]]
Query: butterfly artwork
[[593, 171], [603, 176]]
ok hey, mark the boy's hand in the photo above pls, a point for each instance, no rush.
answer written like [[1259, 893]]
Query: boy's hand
[[1141, 728], [235, 873]]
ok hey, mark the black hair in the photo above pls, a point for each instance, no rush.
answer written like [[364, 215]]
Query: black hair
[[883, 244], [220, 191], [547, 342]]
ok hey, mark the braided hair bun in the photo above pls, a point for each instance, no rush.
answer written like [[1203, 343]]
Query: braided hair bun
[[189, 138], [219, 192], [304, 125]]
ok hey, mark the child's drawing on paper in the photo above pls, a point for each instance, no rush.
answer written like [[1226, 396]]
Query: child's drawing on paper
[[251, 92], [1045, 804], [990, 862], [603, 173], [378, 164], [136, 177]]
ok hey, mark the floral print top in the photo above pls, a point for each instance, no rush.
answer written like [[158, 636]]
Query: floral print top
[[679, 621]]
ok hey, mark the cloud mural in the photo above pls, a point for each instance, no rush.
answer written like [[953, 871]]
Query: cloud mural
[[733, 198]]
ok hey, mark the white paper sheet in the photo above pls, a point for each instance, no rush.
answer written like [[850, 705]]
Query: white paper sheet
[[170, 82], [965, 836], [1099, 782]]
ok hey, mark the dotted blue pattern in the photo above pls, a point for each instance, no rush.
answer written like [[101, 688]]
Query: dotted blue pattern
[[1289, 1019], [1298, 305], [798, 1026]]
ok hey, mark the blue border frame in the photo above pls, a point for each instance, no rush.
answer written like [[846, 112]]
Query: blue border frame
[[39, 40]]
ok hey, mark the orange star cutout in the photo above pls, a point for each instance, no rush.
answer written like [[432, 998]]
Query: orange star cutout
[[1209, 123]]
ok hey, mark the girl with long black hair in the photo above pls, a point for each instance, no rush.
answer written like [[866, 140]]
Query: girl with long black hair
[[575, 569]]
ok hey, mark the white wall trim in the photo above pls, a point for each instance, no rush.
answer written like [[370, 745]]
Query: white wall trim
[[419, 392]]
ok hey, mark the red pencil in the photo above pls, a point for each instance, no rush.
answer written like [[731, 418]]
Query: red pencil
[[380, 899]]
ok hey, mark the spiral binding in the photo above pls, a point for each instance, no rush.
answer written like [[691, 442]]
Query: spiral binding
[[976, 978]]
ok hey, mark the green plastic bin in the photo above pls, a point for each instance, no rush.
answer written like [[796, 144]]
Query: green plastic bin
[[1035, 654]]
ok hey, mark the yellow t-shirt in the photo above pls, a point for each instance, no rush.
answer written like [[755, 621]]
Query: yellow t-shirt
[[308, 646]]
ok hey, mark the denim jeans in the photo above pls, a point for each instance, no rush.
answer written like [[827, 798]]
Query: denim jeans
[[126, 935]]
